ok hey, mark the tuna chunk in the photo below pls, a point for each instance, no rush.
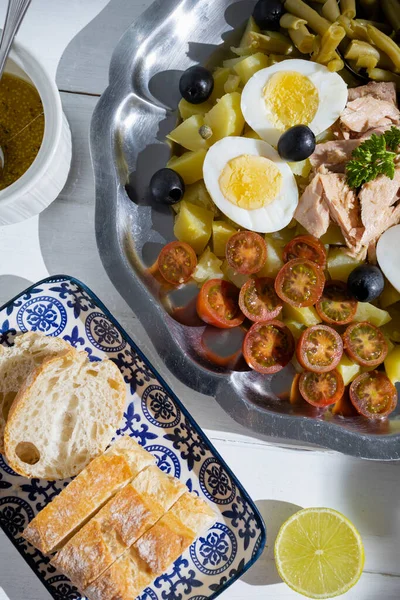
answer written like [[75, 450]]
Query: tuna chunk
[[333, 155], [367, 112], [344, 208], [380, 90], [312, 212], [380, 206]]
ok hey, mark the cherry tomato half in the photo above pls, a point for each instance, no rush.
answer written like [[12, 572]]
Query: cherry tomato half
[[373, 394], [300, 282], [336, 305], [246, 252], [319, 349], [176, 262], [268, 346], [217, 304], [365, 344], [258, 299], [321, 389], [308, 247]]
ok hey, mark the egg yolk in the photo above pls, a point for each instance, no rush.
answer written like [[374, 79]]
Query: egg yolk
[[291, 99], [250, 182]]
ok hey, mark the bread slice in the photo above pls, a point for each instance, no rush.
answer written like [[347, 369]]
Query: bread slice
[[64, 415], [122, 521], [18, 362], [89, 491], [154, 552]]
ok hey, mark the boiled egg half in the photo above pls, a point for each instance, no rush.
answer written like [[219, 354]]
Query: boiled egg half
[[250, 184], [292, 92]]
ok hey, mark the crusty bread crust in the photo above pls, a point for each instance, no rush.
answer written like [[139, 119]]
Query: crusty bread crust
[[66, 414], [87, 493], [122, 521], [18, 362], [154, 552]]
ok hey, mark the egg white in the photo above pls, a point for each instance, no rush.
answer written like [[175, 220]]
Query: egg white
[[332, 93], [272, 217]]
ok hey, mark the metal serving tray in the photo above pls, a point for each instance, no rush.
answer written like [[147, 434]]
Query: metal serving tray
[[128, 145]]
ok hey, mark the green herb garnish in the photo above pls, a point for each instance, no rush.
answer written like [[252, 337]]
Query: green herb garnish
[[373, 157]]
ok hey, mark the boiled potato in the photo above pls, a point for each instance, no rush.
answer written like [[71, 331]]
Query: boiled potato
[[392, 365], [186, 109], [389, 295], [220, 76], [236, 278], [274, 261], [348, 369], [196, 193], [295, 327], [221, 232], [225, 118], [187, 134], [392, 328], [301, 168], [193, 225], [372, 314], [232, 84], [231, 62], [340, 264], [208, 267], [306, 316], [334, 236], [246, 67], [251, 27], [189, 165]]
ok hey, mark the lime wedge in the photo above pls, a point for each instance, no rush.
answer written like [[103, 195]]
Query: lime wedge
[[319, 553]]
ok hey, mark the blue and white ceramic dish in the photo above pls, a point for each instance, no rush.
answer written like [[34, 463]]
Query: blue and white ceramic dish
[[62, 306]]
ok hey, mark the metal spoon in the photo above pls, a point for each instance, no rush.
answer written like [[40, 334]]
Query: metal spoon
[[16, 10]]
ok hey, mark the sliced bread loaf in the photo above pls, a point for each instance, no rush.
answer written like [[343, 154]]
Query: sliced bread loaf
[[19, 361], [64, 415]]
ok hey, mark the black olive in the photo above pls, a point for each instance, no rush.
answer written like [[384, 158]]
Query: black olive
[[196, 84], [167, 187], [366, 283], [267, 14], [297, 143]]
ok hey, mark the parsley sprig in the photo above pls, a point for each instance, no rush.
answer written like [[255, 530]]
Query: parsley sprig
[[373, 157]]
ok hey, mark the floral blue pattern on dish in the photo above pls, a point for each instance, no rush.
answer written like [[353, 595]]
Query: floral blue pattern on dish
[[157, 420]]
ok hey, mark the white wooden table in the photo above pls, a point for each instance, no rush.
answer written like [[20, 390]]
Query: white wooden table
[[62, 240]]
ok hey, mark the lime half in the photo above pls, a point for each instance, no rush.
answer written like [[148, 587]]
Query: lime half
[[319, 553]]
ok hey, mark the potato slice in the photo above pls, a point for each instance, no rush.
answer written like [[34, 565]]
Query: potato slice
[[274, 261], [193, 225], [187, 134], [392, 365], [295, 327], [189, 165], [372, 314], [187, 110], [232, 84], [307, 315], [221, 232], [225, 118], [236, 278], [389, 295], [348, 369], [340, 264], [246, 67], [208, 267], [220, 76]]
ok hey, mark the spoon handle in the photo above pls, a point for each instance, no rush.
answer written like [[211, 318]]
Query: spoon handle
[[15, 13]]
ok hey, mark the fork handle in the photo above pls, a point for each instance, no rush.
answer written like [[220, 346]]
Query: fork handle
[[16, 10]]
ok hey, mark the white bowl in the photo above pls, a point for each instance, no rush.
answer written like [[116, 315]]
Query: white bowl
[[46, 176]]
